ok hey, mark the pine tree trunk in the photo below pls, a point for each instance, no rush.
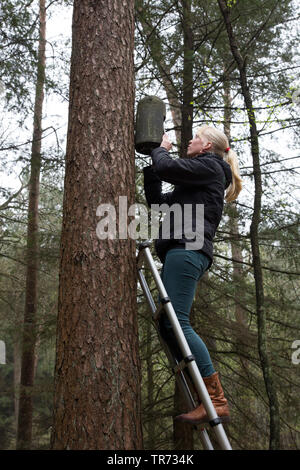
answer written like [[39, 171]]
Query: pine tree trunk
[[259, 286], [155, 46], [24, 430], [188, 79], [152, 424], [97, 373], [240, 314], [183, 433], [17, 379], [182, 116]]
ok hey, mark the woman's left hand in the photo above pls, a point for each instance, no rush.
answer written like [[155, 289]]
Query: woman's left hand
[[166, 143]]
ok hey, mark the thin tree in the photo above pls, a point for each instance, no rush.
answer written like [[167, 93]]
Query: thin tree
[[97, 373], [259, 285], [24, 425], [180, 99], [188, 80]]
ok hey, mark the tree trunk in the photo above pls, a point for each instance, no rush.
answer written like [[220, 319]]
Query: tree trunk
[[187, 87], [152, 424], [259, 287], [153, 41], [24, 431], [232, 212], [183, 433], [17, 379], [182, 115], [97, 372]]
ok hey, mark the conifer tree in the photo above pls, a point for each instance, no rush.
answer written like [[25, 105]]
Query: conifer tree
[[24, 433], [97, 375]]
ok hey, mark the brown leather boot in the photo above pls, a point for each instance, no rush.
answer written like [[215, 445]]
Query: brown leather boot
[[214, 388]]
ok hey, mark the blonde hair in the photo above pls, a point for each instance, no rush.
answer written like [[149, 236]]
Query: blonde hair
[[219, 146]]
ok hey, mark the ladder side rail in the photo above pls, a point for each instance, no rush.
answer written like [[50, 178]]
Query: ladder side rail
[[173, 363], [185, 390], [199, 384], [146, 291], [179, 376]]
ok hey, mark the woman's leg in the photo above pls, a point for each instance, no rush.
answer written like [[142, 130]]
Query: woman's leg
[[181, 272]]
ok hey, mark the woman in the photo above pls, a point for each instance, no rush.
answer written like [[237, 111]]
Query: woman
[[210, 168]]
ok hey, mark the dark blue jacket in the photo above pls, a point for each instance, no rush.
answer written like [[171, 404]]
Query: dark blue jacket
[[198, 180]]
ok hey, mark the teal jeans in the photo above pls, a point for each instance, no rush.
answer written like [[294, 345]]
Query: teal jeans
[[181, 272]]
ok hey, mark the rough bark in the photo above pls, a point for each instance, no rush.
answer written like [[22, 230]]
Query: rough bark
[[25, 409], [259, 285], [97, 373]]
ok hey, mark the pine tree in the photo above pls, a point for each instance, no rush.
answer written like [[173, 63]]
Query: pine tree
[[24, 434], [97, 385]]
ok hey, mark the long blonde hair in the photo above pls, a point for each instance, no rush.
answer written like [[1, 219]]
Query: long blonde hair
[[219, 146]]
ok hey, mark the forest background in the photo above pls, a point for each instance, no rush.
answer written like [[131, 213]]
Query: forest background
[[230, 64]]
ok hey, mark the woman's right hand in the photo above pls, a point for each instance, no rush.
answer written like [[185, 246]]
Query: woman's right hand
[[166, 143]]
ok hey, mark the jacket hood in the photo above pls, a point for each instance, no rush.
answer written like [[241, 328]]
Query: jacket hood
[[225, 167]]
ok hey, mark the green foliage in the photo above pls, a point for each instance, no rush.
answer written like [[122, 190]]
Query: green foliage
[[18, 37], [12, 300], [231, 3]]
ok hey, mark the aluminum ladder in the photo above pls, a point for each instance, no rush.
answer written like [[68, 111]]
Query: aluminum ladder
[[186, 364]]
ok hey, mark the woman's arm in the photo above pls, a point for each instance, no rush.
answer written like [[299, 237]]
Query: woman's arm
[[187, 171]]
